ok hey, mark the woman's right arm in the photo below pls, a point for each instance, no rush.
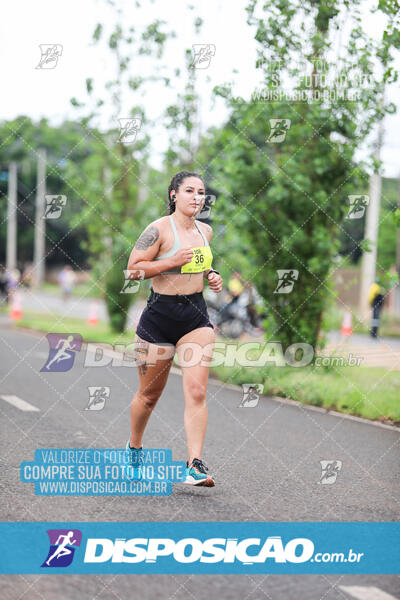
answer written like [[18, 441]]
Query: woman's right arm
[[146, 249]]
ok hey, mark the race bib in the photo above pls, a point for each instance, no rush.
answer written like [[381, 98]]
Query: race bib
[[201, 261]]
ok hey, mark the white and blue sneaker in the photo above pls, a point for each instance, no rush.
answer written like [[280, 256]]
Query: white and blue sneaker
[[196, 474], [135, 460]]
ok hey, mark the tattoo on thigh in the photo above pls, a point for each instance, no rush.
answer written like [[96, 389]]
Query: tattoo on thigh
[[147, 238], [142, 369], [142, 350]]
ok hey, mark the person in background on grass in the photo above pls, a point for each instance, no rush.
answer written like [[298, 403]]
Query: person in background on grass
[[235, 287], [14, 276], [376, 299], [67, 279], [253, 298]]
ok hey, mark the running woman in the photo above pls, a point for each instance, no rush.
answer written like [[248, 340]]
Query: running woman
[[174, 252]]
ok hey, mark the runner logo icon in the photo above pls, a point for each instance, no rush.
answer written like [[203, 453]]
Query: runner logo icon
[[62, 351], [251, 393], [330, 470], [63, 543]]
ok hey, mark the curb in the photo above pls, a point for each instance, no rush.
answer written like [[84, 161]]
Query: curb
[[289, 401]]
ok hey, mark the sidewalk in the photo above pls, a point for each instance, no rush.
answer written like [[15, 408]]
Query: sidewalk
[[381, 352]]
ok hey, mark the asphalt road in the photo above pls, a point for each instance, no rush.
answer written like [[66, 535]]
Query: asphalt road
[[265, 460]]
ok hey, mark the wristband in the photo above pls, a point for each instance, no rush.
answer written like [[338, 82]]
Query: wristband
[[212, 271]]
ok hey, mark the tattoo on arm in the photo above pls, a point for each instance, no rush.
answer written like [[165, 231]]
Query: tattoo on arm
[[147, 238]]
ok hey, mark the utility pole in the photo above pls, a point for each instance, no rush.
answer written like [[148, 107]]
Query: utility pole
[[11, 259], [368, 264], [40, 222]]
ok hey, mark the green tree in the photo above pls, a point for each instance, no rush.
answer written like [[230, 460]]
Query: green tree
[[286, 166], [112, 177]]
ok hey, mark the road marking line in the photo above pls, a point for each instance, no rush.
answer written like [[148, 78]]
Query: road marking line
[[366, 593], [19, 403]]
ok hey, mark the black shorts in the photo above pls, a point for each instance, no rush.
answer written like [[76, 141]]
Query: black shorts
[[167, 322]]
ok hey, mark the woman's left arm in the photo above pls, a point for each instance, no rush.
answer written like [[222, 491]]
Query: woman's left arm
[[215, 280], [208, 234]]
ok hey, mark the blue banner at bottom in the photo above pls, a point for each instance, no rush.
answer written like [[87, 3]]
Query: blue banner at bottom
[[193, 548]]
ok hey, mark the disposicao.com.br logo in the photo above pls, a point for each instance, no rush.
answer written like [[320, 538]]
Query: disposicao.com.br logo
[[199, 547], [248, 551]]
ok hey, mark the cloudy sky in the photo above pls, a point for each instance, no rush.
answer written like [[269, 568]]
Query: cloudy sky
[[36, 93]]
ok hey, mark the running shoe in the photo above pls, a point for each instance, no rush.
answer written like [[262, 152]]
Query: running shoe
[[196, 474], [135, 460]]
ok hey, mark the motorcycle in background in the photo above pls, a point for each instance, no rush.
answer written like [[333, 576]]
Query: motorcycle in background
[[231, 317]]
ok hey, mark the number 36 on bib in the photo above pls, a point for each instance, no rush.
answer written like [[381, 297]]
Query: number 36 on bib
[[201, 261]]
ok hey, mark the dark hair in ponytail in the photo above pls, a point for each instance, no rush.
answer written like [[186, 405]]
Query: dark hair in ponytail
[[176, 181]]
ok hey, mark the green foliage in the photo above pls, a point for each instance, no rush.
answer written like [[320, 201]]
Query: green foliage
[[287, 200], [389, 280], [396, 217], [346, 389], [117, 303], [352, 230], [387, 240], [111, 177], [97, 32], [287, 209]]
